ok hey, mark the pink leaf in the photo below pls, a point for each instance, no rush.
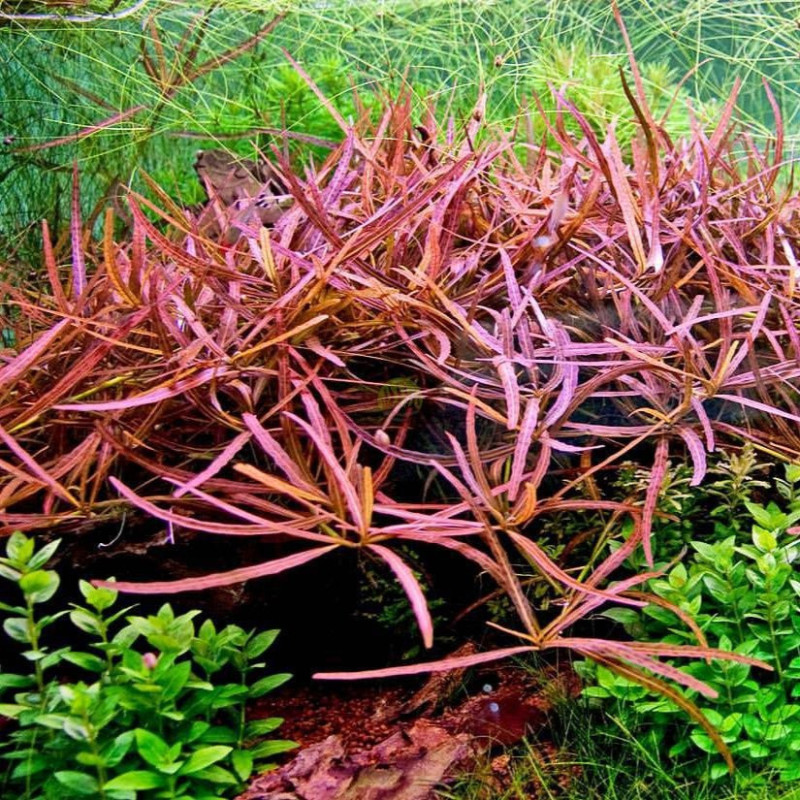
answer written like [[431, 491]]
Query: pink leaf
[[446, 664], [705, 423], [522, 446], [36, 469], [696, 450], [621, 650], [277, 453], [508, 377], [78, 262], [218, 578], [342, 481], [28, 357], [758, 406], [179, 387], [218, 463], [651, 497], [412, 589], [551, 570]]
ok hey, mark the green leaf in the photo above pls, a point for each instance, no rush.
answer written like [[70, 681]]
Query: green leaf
[[99, 598], [195, 731], [89, 759], [9, 680], [8, 572], [242, 762], [703, 741], [718, 771], [174, 679], [78, 782], [595, 691], [39, 559], [216, 774], [261, 727], [120, 794], [85, 660], [32, 765], [261, 687], [220, 734], [17, 629], [86, 621], [764, 540], [19, 547], [204, 757], [54, 721], [272, 747], [76, 729], [259, 643], [40, 585], [760, 515], [152, 748], [137, 780], [114, 752], [11, 710]]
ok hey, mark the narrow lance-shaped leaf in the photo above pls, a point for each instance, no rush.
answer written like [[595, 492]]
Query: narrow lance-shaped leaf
[[522, 446], [697, 452], [657, 474], [444, 665], [38, 472], [412, 589], [176, 389], [219, 462], [218, 578], [553, 572]]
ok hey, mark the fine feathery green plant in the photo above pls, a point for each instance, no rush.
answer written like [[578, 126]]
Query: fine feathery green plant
[[146, 90], [161, 713], [741, 588]]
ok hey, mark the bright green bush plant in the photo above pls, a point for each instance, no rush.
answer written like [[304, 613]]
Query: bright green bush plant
[[161, 713], [741, 588]]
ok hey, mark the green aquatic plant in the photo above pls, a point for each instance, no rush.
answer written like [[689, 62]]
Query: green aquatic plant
[[159, 710]]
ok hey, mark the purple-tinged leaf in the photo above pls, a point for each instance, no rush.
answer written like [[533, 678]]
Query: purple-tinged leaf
[[622, 650], [758, 406], [261, 525], [277, 454], [522, 446], [218, 578], [176, 389], [412, 589], [705, 422], [343, 483], [552, 571], [30, 355], [76, 237], [218, 462], [625, 199], [508, 377], [445, 665], [472, 553], [659, 470], [697, 452], [39, 473]]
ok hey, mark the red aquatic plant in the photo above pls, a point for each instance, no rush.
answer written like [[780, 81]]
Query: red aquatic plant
[[493, 312]]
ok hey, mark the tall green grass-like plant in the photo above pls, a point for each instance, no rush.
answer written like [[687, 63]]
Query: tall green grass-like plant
[[158, 715], [79, 83]]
